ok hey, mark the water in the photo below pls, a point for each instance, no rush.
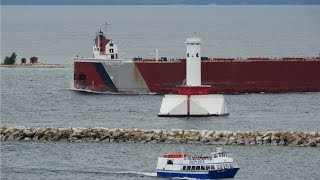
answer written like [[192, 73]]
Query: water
[[44, 97], [52, 160]]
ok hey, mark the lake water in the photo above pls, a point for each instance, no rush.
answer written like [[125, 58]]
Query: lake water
[[44, 97]]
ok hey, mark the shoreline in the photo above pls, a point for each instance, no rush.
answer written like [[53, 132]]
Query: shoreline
[[37, 66], [175, 136]]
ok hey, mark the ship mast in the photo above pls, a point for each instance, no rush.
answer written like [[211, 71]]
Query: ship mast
[[106, 24]]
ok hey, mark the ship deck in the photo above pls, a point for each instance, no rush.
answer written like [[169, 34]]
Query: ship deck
[[251, 59]]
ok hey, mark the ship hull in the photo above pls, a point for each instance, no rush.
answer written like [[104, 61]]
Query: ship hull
[[226, 76], [216, 174]]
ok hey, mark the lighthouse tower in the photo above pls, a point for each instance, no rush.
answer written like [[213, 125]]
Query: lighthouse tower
[[193, 61], [193, 98]]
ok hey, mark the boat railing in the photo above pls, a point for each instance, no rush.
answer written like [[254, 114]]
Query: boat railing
[[198, 158], [154, 60], [250, 59], [238, 59]]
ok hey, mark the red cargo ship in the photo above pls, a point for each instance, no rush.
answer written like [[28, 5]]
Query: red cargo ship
[[105, 72]]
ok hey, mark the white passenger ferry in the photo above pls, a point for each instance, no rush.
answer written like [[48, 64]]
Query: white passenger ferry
[[215, 166]]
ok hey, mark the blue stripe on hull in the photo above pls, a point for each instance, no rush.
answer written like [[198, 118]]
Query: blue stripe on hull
[[105, 77], [217, 174]]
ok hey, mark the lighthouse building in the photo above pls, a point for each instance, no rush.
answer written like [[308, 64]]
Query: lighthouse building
[[193, 98]]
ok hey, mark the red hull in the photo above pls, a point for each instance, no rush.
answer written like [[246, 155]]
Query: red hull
[[224, 76], [237, 76]]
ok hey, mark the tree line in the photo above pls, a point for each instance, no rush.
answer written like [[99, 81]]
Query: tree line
[[10, 60]]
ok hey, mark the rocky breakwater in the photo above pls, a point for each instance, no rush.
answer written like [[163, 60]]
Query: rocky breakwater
[[276, 138]]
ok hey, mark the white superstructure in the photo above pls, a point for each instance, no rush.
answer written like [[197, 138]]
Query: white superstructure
[[104, 48]]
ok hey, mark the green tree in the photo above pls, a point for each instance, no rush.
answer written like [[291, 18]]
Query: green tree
[[10, 60]]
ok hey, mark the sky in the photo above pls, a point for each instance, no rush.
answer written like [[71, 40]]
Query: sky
[[159, 2]]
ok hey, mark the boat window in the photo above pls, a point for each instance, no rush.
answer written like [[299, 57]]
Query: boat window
[[193, 168], [212, 167], [215, 156], [197, 55], [188, 168], [184, 168], [197, 167], [169, 161], [203, 168], [207, 167], [187, 54]]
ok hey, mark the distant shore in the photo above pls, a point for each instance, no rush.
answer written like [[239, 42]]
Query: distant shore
[[37, 66]]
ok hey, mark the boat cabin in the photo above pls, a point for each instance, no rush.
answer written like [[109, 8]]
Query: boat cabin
[[181, 162], [104, 48]]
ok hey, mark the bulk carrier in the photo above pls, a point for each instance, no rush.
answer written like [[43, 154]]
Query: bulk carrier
[[106, 72]]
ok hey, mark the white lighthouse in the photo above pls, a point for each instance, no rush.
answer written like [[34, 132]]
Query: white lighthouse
[[193, 61], [193, 98]]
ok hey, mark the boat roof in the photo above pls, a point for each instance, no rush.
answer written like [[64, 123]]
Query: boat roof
[[175, 155]]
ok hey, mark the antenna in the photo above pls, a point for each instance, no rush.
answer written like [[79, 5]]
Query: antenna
[[157, 54], [194, 34], [105, 27], [181, 150]]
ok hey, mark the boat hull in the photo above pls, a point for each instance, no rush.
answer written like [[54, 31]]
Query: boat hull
[[226, 77], [216, 174]]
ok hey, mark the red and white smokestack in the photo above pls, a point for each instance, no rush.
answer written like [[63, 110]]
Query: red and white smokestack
[[193, 77]]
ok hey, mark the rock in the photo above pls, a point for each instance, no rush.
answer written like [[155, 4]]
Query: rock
[[35, 138], [240, 142], [317, 140], [232, 138], [266, 139], [282, 143], [183, 140], [298, 141], [253, 143], [9, 137], [27, 139], [312, 144], [274, 143]]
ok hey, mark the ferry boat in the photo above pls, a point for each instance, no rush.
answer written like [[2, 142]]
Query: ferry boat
[[179, 165]]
